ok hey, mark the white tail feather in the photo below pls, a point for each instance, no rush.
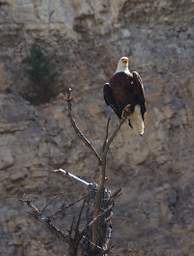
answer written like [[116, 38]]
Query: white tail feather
[[137, 120]]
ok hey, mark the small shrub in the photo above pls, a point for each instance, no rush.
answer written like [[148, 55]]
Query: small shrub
[[41, 74]]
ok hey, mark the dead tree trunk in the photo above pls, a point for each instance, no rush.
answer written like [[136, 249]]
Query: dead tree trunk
[[96, 211]]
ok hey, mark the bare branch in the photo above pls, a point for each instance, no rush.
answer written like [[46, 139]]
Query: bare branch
[[108, 239], [77, 129], [94, 220], [114, 134], [75, 202], [96, 246], [117, 193], [79, 217], [49, 203], [106, 135], [105, 152], [34, 209], [75, 240], [71, 227], [74, 177], [38, 215], [68, 206], [100, 190], [100, 201], [102, 159]]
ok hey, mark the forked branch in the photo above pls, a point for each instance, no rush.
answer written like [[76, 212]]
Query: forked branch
[[100, 191], [102, 158], [98, 203], [40, 217], [77, 129], [73, 237]]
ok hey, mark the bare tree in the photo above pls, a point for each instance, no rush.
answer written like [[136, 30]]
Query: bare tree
[[94, 237]]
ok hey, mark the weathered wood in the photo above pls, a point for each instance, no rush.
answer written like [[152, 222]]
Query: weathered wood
[[89, 233]]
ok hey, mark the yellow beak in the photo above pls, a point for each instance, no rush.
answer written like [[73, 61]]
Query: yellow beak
[[124, 61]]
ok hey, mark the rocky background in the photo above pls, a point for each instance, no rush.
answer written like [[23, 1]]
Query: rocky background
[[83, 40]]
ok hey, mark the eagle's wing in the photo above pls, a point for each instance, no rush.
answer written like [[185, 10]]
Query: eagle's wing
[[139, 92], [108, 97], [139, 88]]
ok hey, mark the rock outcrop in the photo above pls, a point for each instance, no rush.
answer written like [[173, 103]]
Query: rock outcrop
[[84, 40]]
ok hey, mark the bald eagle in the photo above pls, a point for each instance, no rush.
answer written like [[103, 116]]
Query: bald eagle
[[125, 95]]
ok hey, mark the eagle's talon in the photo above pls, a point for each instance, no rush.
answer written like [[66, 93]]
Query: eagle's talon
[[126, 111]]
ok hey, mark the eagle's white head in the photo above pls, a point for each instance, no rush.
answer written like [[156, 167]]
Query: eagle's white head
[[122, 65]]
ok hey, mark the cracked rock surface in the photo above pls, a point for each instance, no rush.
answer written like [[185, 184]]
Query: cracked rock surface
[[84, 40]]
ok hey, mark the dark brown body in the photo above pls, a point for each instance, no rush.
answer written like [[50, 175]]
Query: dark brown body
[[125, 89]]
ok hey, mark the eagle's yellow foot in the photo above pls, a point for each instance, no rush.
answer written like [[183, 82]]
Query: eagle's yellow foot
[[126, 111]]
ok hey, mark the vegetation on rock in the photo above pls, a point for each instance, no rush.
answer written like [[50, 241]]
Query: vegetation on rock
[[41, 74]]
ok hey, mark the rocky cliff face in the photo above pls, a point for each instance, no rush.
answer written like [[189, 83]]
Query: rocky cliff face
[[84, 40]]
